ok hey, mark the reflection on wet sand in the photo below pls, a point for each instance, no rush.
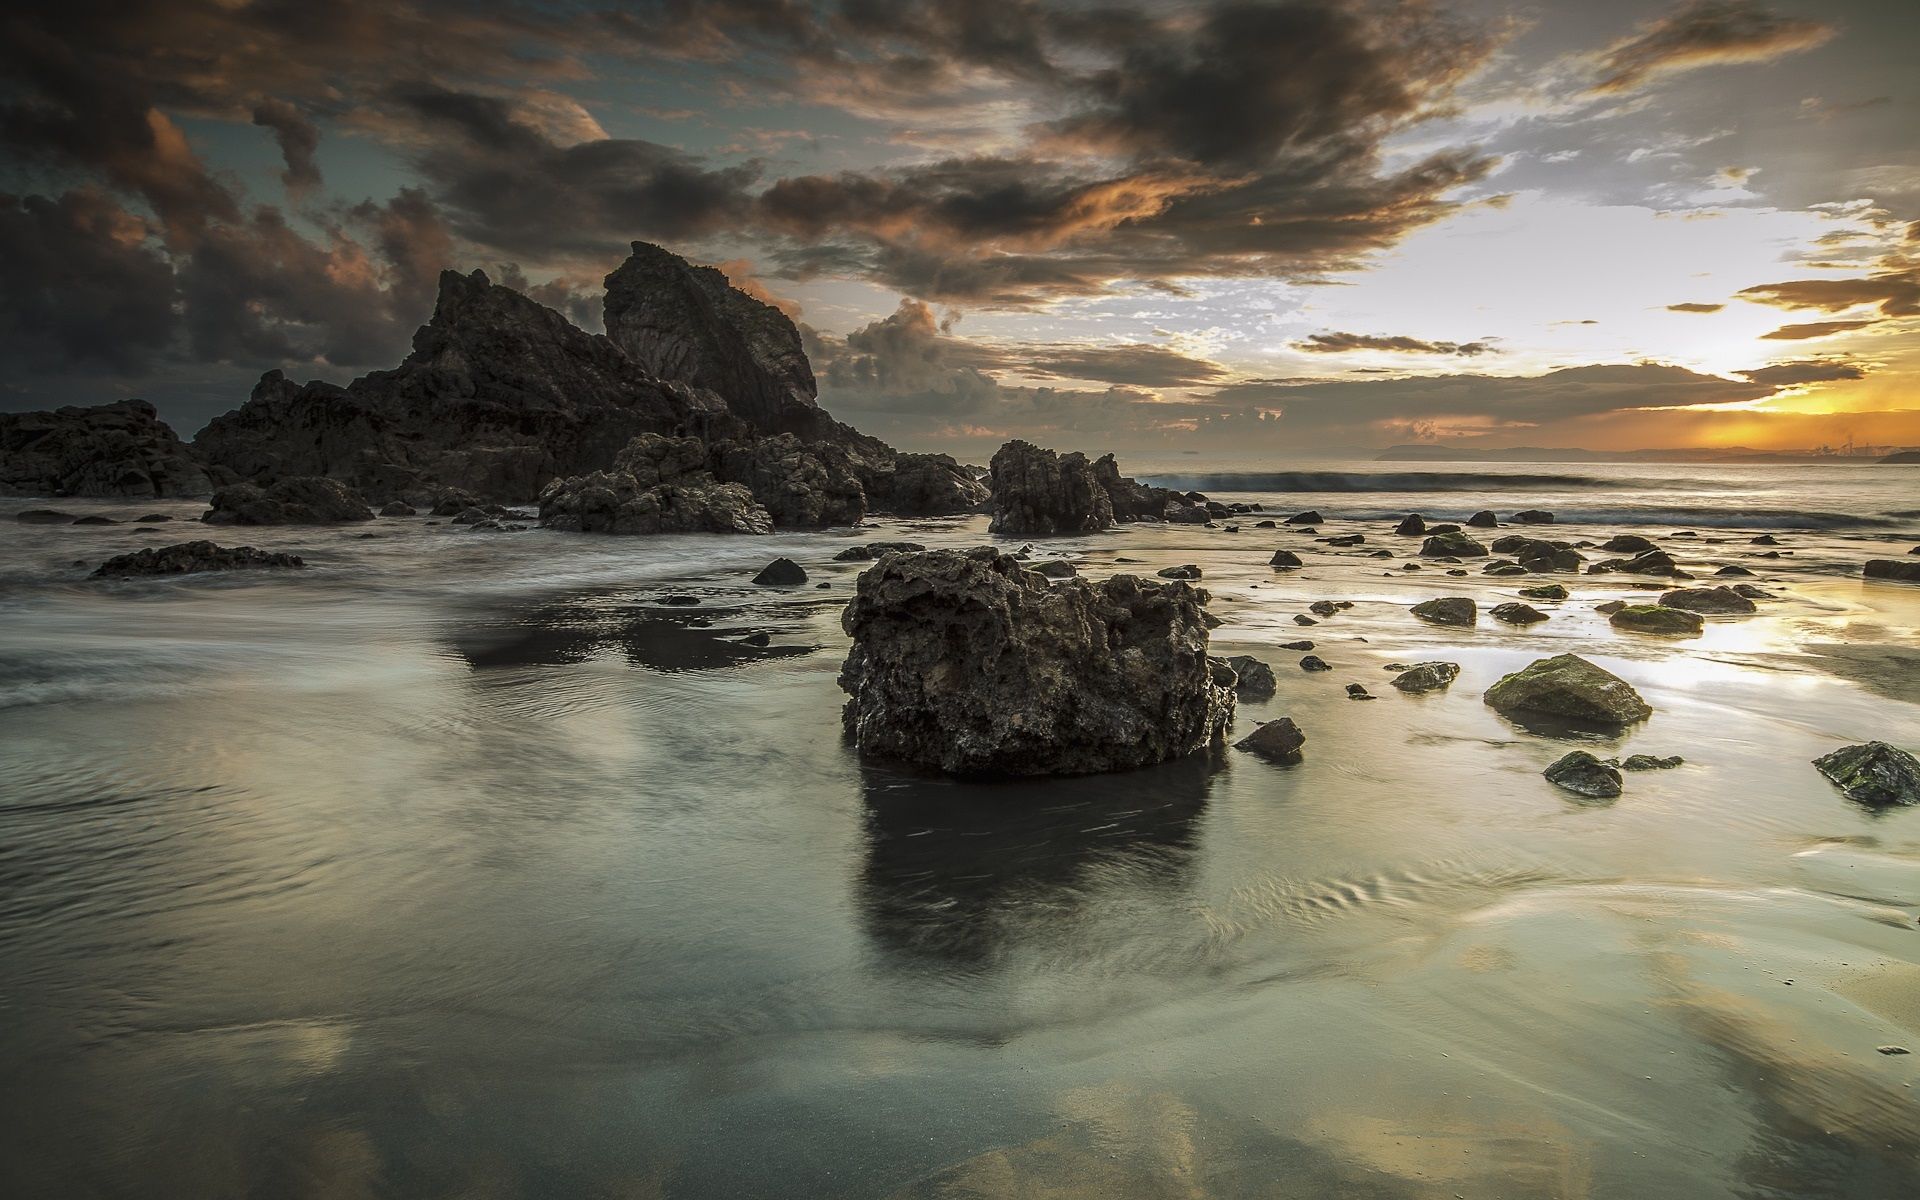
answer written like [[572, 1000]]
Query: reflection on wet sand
[[660, 638]]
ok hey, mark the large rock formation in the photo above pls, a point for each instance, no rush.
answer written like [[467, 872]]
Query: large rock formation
[[303, 500], [802, 484], [1037, 492], [656, 485], [925, 485], [499, 396], [122, 449], [1131, 500], [968, 662]]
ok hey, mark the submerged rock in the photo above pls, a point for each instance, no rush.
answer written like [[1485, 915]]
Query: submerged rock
[[1649, 562], [1278, 740], [1628, 543], [1532, 516], [781, 572], [1650, 762], [397, 508], [189, 558], [1447, 610], [1874, 773], [1548, 591], [1309, 517], [968, 662], [1427, 677], [43, 516], [121, 449], [1411, 525], [1037, 492], [1569, 686], [1484, 519], [1708, 600], [1253, 679], [1515, 613], [1313, 662], [310, 500], [1656, 618], [1582, 774], [1454, 545], [1357, 691], [1187, 572]]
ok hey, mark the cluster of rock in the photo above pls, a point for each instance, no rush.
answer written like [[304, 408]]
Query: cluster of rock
[[968, 662], [121, 449], [189, 558], [300, 500], [1039, 493]]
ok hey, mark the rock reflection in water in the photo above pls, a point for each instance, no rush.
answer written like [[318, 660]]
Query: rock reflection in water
[[955, 871], [660, 639]]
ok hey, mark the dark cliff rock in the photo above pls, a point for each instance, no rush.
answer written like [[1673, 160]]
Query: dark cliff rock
[[190, 558], [303, 500], [656, 485], [925, 485], [121, 449], [1037, 492], [968, 662]]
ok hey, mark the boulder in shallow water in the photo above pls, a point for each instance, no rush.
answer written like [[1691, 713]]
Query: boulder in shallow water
[[43, 516], [1056, 568], [1411, 525], [968, 662], [1532, 516], [1656, 618], [1515, 613], [1253, 679], [781, 572], [1447, 610], [1285, 560], [1651, 762], [190, 558], [1546, 591], [1874, 773], [397, 508], [1649, 562], [1569, 687], [1454, 545], [1584, 775], [1427, 677], [1708, 600], [1278, 740], [302, 500], [1890, 568], [1484, 519], [1187, 572], [1313, 662], [1628, 543], [1310, 517]]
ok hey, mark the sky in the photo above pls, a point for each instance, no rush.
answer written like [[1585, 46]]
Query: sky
[[1313, 227]]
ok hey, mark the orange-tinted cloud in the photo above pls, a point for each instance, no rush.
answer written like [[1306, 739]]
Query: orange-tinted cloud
[[1705, 33]]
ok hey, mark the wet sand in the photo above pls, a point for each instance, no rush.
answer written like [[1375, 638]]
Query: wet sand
[[459, 865]]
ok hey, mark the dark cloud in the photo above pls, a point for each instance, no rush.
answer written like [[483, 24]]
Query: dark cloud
[[1814, 329], [510, 186], [1130, 365], [1694, 306], [85, 287], [1895, 293], [1705, 33], [1792, 374], [298, 138], [1343, 343]]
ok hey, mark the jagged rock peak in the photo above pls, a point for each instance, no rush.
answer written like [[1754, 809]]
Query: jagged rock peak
[[687, 323]]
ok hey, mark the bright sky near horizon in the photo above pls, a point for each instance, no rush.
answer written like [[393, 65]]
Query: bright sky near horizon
[[1313, 226]]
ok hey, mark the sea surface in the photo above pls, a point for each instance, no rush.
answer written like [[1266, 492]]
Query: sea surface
[[457, 865]]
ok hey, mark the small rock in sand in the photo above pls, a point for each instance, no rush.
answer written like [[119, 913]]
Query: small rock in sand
[[1484, 519], [1358, 692], [1708, 600], [1427, 676], [1302, 645], [1303, 619], [1411, 525], [1313, 662], [1456, 545]]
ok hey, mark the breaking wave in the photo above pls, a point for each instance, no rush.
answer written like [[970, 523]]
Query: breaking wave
[[1384, 481]]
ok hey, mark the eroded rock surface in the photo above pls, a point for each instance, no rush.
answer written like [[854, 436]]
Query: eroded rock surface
[[121, 449], [303, 500], [189, 558], [1569, 687], [967, 662], [1038, 493]]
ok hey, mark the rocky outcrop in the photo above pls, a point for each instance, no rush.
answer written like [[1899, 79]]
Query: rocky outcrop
[[657, 485], [926, 485], [1537, 554], [303, 500], [685, 323], [189, 558], [967, 662], [803, 485], [1874, 773], [121, 449], [1569, 687], [1038, 493], [499, 396], [1131, 500], [1253, 679]]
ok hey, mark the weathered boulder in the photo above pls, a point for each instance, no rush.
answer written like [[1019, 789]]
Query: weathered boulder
[[1582, 774], [1427, 677], [926, 485], [397, 508], [1278, 740], [1628, 543], [1708, 600], [1657, 618], [1188, 572], [309, 500], [781, 572], [1647, 562], [614, 502], [1537, 554], [1569, 687], [802, 485], [1874, 773], [1546, 591], [1452, 545], [121, 449], [1253, 679], [1131, 500], [1892, 568], [43, 516], [1513, 612], [1411, 525], [1484, 519], [1313, 662], [188, 558], [1532, 516], [873, 550], [1447, 610], [968, 662], [1310, 517], [1651, 762], [1284, 560], [1037, 492]]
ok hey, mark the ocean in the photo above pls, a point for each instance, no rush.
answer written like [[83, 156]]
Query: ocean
[[459, 865]]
